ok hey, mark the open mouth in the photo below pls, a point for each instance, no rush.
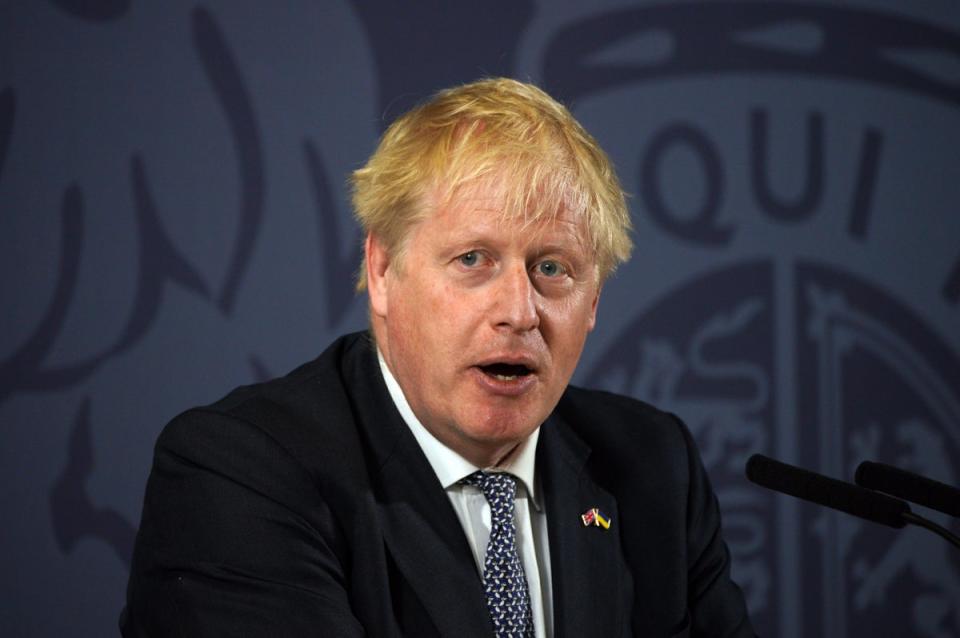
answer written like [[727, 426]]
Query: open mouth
[[506, 371]]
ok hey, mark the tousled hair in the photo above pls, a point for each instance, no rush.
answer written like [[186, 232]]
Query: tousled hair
[[498, 131]]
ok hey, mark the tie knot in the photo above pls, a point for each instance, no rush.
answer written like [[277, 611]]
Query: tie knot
[[497, 487]]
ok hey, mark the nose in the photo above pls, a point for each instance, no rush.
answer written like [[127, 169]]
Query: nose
[[515, 301]]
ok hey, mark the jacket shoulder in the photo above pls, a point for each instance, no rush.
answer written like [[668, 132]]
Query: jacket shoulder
[[607, 419], [306, 415]]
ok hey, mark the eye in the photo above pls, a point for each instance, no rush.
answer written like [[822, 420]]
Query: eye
[[469, 259], [551, 268]]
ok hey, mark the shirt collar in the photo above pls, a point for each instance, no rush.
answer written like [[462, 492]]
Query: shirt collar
[[447, 464]]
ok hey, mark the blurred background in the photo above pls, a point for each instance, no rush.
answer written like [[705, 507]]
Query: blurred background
[[174, 222]]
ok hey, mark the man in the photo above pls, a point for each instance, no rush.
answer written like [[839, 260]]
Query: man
[[438, 476]]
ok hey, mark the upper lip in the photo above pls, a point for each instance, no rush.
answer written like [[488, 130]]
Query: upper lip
[[524, 360]]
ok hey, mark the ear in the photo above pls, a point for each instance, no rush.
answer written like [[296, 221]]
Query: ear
[[378, 264], [592, 319]]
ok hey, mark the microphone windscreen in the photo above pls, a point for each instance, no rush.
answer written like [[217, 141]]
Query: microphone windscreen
[[826, 491], [909, 486]]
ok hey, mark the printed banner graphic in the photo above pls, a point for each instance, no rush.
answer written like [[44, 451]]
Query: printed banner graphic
[[175, 222]]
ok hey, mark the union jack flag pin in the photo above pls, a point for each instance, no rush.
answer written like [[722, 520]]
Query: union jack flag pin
[[595, 517]]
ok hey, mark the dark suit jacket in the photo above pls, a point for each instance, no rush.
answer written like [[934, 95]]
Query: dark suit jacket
[[305, 507]]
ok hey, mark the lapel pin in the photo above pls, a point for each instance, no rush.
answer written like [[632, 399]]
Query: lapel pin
[[595, 517]]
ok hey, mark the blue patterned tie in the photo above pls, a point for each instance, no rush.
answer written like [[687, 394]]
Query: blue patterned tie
[[503, 579]]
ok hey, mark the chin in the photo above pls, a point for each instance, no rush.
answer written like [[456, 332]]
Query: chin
[[501, 426]]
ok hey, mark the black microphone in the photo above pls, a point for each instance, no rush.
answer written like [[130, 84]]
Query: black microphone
[[909, 486], [826, 491]]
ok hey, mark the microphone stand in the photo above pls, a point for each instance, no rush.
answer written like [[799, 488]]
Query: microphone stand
[[839, 495], [943, 532]]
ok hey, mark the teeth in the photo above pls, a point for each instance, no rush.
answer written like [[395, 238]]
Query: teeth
[[506, 377]]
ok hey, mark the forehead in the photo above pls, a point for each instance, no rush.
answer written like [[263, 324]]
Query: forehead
[[498, 202], [487, 209]]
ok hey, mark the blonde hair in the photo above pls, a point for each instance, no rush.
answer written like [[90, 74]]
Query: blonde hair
[[489, 129]]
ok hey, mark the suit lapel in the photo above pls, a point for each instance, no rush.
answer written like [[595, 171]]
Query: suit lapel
[[424, 535], [587, 564], [420, 528]]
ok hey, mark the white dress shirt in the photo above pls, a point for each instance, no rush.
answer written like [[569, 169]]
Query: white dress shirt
[[473, 510]]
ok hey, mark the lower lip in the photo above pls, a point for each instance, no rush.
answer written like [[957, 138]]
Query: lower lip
[[505, 387]]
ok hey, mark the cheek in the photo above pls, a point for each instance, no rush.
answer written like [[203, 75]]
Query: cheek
[[575, 311], [433, 321], [449, 306], [565, 327]]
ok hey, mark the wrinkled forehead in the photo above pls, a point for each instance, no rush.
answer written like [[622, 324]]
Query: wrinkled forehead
[[495, 203]]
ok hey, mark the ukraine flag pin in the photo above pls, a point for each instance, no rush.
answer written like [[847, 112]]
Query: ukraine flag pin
[[595, 517]]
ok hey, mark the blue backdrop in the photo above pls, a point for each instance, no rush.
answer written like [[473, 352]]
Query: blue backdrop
[[174, 222]]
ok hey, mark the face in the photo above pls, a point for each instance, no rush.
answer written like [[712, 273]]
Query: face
[[484, 322]]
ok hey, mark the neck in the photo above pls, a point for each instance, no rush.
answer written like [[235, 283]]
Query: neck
[[486, 458]]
